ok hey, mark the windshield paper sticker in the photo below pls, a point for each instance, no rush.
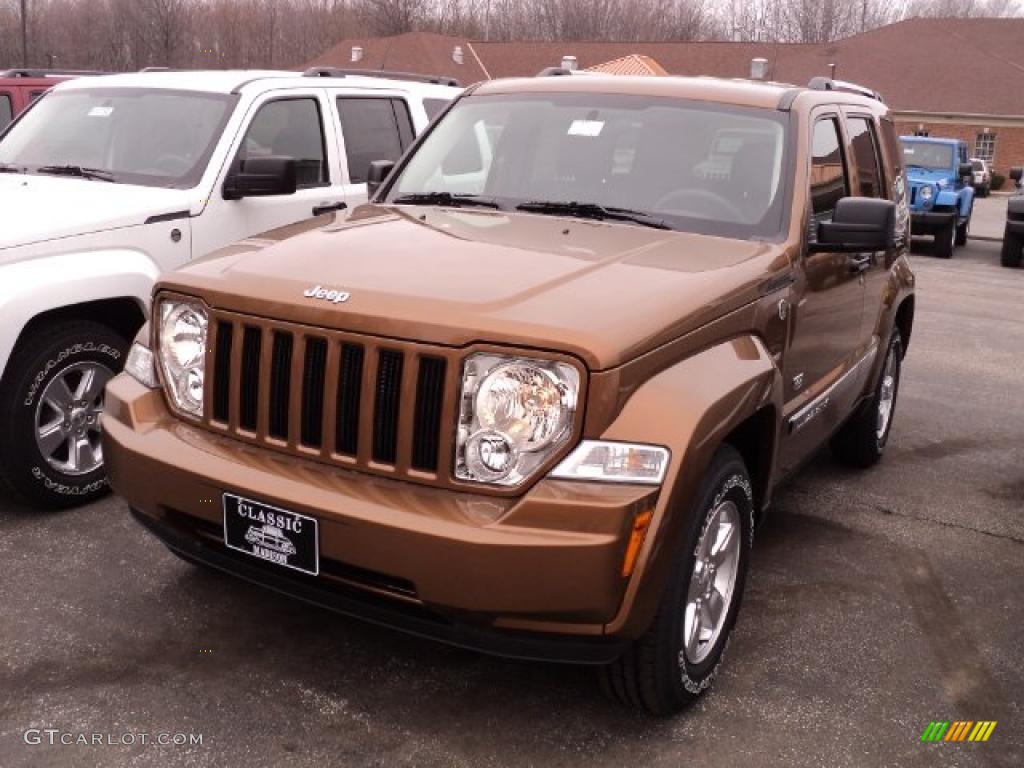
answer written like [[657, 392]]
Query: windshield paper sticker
[[586, 128]]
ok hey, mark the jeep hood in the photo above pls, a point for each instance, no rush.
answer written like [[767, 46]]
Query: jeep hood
[[36, 208], [603, 291], [924, 176]]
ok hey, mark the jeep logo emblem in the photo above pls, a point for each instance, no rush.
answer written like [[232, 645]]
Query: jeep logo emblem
[[333, 296]]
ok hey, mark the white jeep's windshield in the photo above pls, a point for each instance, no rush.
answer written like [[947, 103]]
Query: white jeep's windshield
[[684, 165], [155, 138], [924, 154]]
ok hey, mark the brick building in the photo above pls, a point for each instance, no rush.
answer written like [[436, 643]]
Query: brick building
[[948, 77]]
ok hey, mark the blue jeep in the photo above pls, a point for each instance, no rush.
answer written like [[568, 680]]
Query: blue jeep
[[941, 196]]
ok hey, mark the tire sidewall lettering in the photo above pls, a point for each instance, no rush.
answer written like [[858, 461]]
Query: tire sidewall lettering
[[79, 348]]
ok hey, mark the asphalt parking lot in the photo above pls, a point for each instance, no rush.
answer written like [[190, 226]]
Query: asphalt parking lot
[[877, 602]]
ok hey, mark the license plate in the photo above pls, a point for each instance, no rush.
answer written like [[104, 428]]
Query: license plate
[[271, 533]]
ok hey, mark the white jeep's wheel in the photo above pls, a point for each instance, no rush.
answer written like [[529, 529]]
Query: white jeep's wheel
[[51, 398]]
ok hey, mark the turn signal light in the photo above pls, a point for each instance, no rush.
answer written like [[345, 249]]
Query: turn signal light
[[636, 539]]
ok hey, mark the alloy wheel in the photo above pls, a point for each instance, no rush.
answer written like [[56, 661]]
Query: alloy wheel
[[68, 418], [712, 582]]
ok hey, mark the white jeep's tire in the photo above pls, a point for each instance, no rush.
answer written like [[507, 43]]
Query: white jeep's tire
[[51, 399]]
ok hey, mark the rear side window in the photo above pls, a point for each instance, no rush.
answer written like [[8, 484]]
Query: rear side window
[[289, 128], [434, 107], [373, 129], [6, 110], [828, 176], [865, 154]]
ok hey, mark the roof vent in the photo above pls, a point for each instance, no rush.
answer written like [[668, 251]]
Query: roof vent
[[457, 54], [759, 69], [569, 63], [357, 53]]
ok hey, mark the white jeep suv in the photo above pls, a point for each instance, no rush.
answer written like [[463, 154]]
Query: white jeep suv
[[108, 181]]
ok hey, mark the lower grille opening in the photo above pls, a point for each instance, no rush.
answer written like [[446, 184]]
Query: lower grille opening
[[213, 535]]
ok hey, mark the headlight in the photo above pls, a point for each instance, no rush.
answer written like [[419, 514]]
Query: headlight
[[515, 412], [182, 344], [927, 193]]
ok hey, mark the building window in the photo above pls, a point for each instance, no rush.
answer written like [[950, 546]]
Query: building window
[[985, 146], [921, 131]]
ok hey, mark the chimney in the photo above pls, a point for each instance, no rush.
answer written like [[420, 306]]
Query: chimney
[[357, 53], [759, 69], [569, 63], [457, 54]]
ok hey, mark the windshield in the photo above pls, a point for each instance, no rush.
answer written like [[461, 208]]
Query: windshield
[[934, 157], [689, 166], [154, 138]]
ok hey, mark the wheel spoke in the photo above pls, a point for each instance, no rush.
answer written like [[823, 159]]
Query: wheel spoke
[[691, 630], [723, 544], [82, 455], [51, 437], [713, 606], [90, 387], [58, 395]]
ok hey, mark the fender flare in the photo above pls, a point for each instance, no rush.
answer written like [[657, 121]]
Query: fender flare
[[690, 408], [32, 287]]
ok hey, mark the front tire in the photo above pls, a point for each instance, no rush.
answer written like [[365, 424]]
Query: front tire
[[677, 659], [964, 229], [862, 440], [1013, 250], [945, 239], [51, 399]]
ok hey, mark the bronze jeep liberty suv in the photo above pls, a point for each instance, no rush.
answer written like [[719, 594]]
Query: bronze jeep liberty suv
[[535, 397]]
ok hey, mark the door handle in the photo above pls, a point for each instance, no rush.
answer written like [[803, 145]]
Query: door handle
[[859, 263], [319, 210]]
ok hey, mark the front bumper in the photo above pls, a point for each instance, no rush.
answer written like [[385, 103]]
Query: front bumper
[[535, 577], [930, 222]]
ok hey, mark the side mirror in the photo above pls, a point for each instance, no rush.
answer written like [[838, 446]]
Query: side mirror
[[379, 170], [966, 170], [262, 177], [1015, 174], [858, 224]]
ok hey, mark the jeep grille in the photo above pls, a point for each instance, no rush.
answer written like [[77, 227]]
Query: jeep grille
[[372, 404]]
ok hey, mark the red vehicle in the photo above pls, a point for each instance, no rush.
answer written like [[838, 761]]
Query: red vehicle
[[20, 87]]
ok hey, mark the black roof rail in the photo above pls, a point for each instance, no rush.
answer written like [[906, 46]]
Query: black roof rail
[[389, 74], [50, 72], [554, 72], [828, 84]]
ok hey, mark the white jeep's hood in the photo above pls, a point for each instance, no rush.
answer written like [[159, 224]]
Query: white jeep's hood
[[37, 208]]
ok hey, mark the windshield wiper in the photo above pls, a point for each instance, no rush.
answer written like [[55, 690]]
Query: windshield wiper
[[593, 211], [446, 198], [8, 168], [94, 174]]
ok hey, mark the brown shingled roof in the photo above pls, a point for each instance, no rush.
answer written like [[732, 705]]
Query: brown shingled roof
[[973, 66], [634, 64]]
